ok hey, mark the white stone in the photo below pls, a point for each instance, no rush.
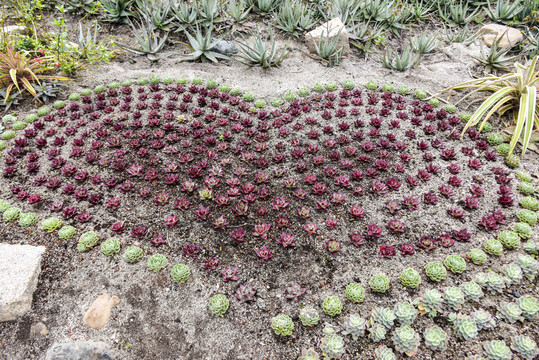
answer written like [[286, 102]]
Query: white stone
[[492, 32], [13, 29], [20, 266], [333, 26]]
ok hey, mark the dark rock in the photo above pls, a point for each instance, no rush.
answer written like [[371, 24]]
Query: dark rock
[[79, 350], [225, 47]]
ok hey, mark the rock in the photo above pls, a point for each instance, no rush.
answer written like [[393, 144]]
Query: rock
[[20, 266], [334, 25], [38, 329], [79, 350], [98, 315], [14, 29], [225, 47], [492, 32]]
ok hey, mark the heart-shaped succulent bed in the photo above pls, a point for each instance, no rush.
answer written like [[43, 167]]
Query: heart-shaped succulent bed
[[199, 167]]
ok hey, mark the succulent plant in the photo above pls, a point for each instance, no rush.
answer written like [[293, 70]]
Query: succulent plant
[[382, 352], [477, 256], [379, 283], [513, 273], [133, 254], [528, 265], [245, 293], [30, 118], [405, 313], [495, 139], [435, 338], [28, 219], [309, 316], [354, 326], [531, 247], [87, 241], [218, 305], [509, 311], [450, 108], [309, 354], [51, 224], [503, 149], [4, 205], [332, 305], [434, 102], [410, 278], [525, 188], [435, 271], [355, 293], [110, 246], [8, 135], [483, 320], [332, 346], [12, 214], [404, 90], [454, 298], [497, 350], [510, 239], [455, 264], [66, 232], [493, 247], [294, 291], [383, 316], [377, 332], [464, 326], [282, 325], [525, 346], [371, 85], [406, 340], [513, 161], [527, 216], [523, 230], [491, 281], [430, 303], [43, 111], [529, 306], [18, 125], [420, 94], [529, 203], [180, 273], [471, 291]]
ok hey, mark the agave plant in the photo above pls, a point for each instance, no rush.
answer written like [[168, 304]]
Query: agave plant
[[117, 11], [263, 52], [149, 41], [202, 47], [516, 91], [18, 71]]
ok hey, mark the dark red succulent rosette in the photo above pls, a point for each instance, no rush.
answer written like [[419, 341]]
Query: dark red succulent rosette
[[375, 171]]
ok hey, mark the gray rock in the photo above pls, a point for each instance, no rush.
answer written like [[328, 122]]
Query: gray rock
[[20, 266], [492, 32], [14, 29], [332, 27], [225, 47], [79, 350], [38, 329]]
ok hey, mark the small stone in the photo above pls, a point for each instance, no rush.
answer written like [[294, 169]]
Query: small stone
[[79, 350], [492, 32], [225, 47], [516, 294], [98, 315], [38, 329], [14, 29], [333, 26]]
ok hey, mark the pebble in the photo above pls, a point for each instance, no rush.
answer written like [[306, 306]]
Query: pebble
[[98, 315], [38, 329]]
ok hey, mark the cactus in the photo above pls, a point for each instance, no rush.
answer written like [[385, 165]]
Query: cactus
[[406, 340], [503, 149], [410, 278], [513, 274], [509, 239], [509, 311], [332, 346], [513, 161], [355, 293], [309, 354], [379, 283], [525, 347], [527, 216], [12, 214], [435, 338], [371, 85], [133, 254], [430, 303], [472, 291], [420, 94], [383, 316], [332, 306], [180, 273], [477, 256], [404, 90], [157, 262], [483, 320], [528, 265], [435, 271], [492, 282], [384, 353], [110, 247], [495, 139], [377, 332], [493, 247], [309, 316], [28, 219], [525, 188], [51, 224], [497, 350], [455, 263], [354, 326], [87, 241], [464, 326], [218, 305], [454, 298], [405, 313], [529, 306], [523, 230], [529, 203], [66, 232]]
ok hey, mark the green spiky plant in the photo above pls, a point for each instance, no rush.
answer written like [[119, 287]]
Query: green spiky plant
[[202, 46], [263, 52], [516, 92]]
